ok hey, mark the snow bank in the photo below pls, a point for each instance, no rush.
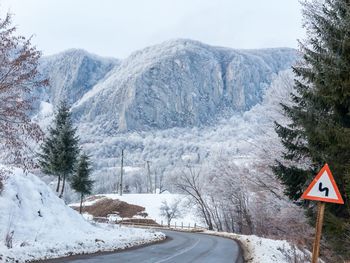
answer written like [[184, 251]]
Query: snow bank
[[258, 249], [42, 225]]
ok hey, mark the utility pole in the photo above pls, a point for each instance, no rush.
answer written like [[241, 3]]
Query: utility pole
[[149, 179], [121, 174], [155, 182]]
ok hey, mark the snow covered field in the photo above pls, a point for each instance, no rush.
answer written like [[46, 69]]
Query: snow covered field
[[36, 224], [152, 204]]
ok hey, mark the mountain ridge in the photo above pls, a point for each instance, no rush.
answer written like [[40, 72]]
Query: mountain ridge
[[178, 83]]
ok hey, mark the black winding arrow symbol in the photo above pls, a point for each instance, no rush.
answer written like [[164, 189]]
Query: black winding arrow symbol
[[323, 189]]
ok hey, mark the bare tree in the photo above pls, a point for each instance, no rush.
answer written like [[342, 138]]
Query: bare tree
[[18, 77], [239, 197], [191, 184], [170, 211]]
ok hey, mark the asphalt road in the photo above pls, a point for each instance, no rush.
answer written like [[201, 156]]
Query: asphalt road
[[180, 247]]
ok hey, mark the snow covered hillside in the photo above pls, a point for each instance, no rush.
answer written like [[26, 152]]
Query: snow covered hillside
[[36, 224], [178, 83]]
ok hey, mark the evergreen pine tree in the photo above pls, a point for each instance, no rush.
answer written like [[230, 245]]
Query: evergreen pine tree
[[80, 180], [319, 131], [60, 149]]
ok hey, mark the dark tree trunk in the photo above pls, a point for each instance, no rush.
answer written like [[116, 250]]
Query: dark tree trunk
[[58, 184], [63, 184], [210, 226], [81, 203]]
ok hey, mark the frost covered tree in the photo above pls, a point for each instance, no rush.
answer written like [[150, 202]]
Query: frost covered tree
[[191, 182], [60, 148], [170, 211], [319, 131], [81, 182], [18, 78]]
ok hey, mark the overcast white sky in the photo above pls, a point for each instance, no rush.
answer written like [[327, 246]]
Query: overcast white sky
[[118, 27]]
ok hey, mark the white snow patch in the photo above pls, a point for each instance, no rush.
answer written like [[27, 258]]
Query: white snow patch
[[44, 227], [258, 249]]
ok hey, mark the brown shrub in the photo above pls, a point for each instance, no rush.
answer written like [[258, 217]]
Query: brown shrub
[[107, 206]]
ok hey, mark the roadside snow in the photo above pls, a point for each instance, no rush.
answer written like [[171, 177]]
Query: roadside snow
[[42, 226], [258, 249]]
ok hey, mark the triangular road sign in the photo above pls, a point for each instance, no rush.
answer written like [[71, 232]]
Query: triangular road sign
[[323, 188]]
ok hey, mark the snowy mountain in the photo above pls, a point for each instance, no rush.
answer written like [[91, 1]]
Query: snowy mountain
[[174, 103], [178, 83]]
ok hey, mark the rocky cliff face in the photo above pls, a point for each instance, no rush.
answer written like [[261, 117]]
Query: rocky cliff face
[[178, 83], [73, 73]]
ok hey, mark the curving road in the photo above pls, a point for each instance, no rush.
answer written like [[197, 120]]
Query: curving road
[[180, 247]]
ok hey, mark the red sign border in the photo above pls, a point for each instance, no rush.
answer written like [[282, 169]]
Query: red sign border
[[339, 200]]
